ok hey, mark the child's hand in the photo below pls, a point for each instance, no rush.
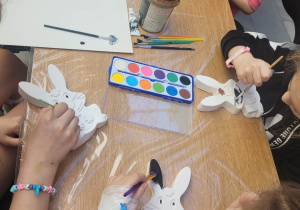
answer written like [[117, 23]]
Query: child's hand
[[251, 70], [9, 130], [55, 133], [112, 195], [130, 180]]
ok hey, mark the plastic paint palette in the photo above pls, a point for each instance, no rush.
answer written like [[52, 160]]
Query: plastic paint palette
[[152, 80]]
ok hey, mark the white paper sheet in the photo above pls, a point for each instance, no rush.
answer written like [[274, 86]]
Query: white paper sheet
[[23, 24]]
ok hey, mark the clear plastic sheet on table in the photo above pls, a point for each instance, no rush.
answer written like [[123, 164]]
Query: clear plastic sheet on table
[[150, 111], [134, 134]]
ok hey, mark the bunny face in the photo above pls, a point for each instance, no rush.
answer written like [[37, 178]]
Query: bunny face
[[60, 93], [164, 199], [74, 100], [90, 117], [169, 198]]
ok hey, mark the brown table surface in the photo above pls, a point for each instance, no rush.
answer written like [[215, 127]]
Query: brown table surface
[[228, 154]]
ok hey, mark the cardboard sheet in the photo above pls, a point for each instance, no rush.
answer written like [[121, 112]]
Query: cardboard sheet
[[23, 24]]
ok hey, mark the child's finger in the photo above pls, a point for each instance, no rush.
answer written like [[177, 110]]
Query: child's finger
[[68, 116], [76, 135], [266, 73], [249, 76], [257, 78], [60, 109], [74, 123], [140, 191], [135, 178], [111, 179], [243, 79], [10, 141]]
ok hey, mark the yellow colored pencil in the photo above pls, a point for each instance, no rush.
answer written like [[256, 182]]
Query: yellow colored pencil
[[181, 39]]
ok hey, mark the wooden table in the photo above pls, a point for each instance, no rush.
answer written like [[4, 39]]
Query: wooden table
[[227, 153]]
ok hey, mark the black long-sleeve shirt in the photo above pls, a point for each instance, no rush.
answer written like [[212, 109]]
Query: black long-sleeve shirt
[[281, 125]]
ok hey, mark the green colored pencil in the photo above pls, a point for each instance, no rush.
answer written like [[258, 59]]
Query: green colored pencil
[[46, 103]]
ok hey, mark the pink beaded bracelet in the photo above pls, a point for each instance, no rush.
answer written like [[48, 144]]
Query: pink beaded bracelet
[[37, 188]]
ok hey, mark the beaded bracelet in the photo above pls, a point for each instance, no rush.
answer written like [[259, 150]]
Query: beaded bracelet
[[36, 188]]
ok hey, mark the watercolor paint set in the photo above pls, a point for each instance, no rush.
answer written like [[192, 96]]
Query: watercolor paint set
[[152, 80]]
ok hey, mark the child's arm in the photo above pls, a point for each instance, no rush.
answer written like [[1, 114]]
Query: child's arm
[[112, 196], [243, 6], [53, 136], [247, 6], [253, 67]]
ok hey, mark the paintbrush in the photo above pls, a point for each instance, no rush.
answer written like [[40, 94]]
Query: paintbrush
[[272, 65], [149, 177], [112, 39], [163, 47]]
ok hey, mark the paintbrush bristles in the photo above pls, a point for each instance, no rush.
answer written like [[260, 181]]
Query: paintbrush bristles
[[151, 176]]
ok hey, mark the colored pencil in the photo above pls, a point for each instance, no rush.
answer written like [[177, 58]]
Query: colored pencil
[[163, 47], [149, 177], [161, 43], [46, 103], [160, 35], [177, 39], [272, 65]]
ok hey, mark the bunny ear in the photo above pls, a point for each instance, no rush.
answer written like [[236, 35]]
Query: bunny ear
[[207, 84], [210, 103], [154, 167], [182, 181], [32, 93], [56, 77]]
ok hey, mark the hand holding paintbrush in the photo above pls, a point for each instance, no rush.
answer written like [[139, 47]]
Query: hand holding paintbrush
[[149, 177], [115, 195], [272, 65]]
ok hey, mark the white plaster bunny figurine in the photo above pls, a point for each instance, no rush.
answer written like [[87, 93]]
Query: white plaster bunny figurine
[[167, 198], [226, 95], [90, 117]]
